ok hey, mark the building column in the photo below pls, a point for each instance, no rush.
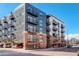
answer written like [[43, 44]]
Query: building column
[[25, 40]]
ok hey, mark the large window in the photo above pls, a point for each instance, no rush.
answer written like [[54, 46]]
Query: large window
[[31, 28], [32, 19], [41, 30], [40, 22], [32, 38], [0, 27]]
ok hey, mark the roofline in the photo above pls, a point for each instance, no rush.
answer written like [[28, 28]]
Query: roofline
[[55, 17], [36, 8]]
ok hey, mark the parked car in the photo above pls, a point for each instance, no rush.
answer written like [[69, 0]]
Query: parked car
[[69, 46]]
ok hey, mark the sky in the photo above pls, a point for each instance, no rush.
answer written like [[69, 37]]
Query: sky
[[67, 12]]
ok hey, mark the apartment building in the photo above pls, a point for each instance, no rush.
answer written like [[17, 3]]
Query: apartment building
[[0, 31], [7, 29], [28, 27], [55, 32], [25, 26]]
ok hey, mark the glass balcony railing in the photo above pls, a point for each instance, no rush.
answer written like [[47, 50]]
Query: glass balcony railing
[[1, 28], [32, 12], [32, 21]]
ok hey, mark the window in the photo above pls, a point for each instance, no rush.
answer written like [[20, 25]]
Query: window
[[32, 19], [29, 8], [40, 30], [32, 28], [0, 33], [31, 37], [0, 26], [40, 22]]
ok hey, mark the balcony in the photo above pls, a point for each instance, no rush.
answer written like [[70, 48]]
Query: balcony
[[0, 28], [5, 27], [54, 35], [54, 22], [5, 37], [12, 37], [12, 24], [5, 21], [32, 12], [31, 21], [54, 28], [31, 31], [62, 31], [47, 22], [5, 32], [62, 26], [1, 33], [11, 30], [47, 29], [12, 16]]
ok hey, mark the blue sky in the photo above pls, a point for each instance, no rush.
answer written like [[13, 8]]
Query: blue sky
[[69, 13]]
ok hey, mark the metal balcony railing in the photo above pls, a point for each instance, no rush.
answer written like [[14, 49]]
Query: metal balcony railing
[[47, 22], [12, 17], [62, 31], [47, 29], [62, 26], [54, 22], [54, 28]]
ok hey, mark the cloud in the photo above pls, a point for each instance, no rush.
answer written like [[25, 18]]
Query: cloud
[[69, 36]]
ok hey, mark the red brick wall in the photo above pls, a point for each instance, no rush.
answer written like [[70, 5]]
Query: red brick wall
[[41, 43]]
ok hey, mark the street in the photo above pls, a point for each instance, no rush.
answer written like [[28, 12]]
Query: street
[[38, 52]]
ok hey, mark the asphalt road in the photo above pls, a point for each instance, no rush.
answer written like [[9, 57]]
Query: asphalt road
[[39, 52], [14, 53]]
